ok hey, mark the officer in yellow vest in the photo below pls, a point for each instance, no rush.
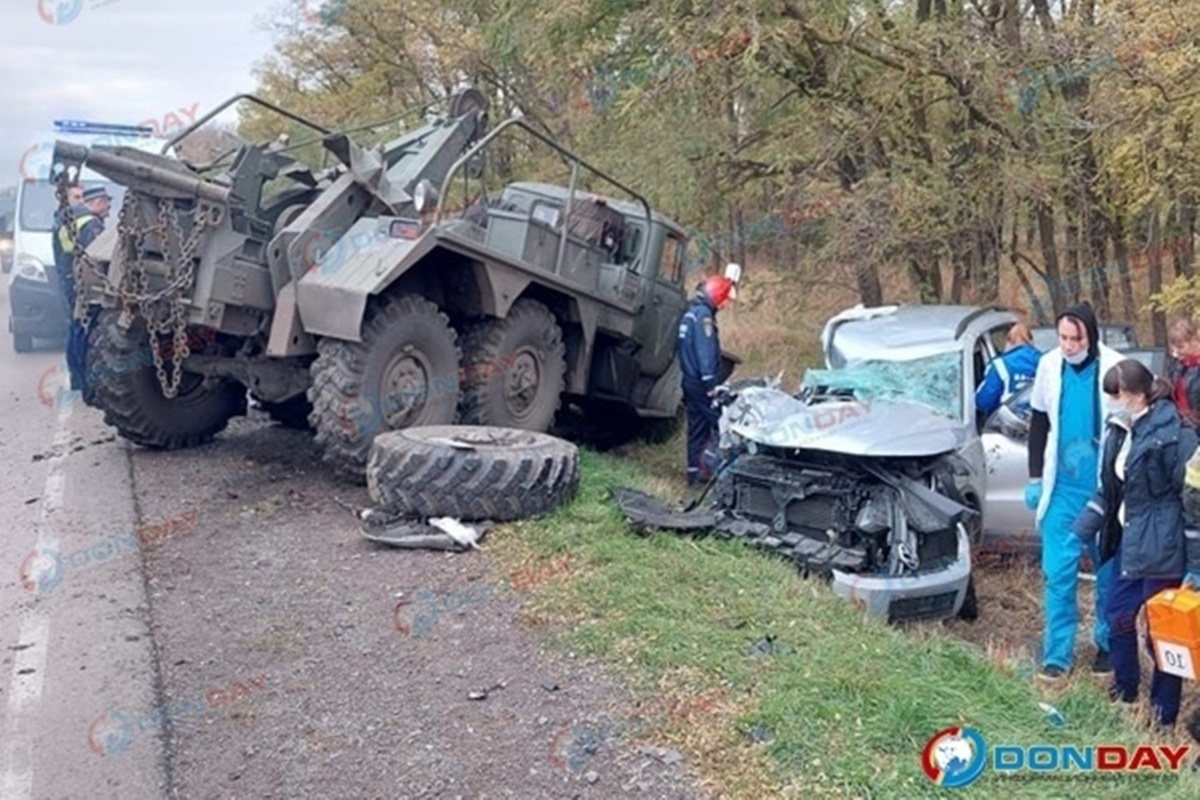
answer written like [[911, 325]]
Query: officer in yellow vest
[[88, 221]]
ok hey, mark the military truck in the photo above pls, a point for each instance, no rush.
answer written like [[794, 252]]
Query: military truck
[[355, 301]]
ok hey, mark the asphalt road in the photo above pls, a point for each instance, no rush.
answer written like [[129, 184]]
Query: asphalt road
[[74, 628], [210, 623]]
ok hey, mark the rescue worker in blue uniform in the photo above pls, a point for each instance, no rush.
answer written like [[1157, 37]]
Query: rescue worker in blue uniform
[[1009, 372], [700, 359], [1067, 432], [88, 221]]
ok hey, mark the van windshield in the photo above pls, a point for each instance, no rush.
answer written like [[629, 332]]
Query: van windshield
[[39, 202]]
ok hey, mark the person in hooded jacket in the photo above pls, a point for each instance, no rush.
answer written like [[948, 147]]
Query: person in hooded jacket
[[1066, 433], [1139, 515], [1184, 372]]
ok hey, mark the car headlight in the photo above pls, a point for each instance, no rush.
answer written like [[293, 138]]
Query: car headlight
[[5, 245], [31, 268], [425, 196]]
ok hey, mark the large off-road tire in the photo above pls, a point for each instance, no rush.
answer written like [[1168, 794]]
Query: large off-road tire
[[291, 413], [126, 387], [515, 369], [404, 372], [498, 474]]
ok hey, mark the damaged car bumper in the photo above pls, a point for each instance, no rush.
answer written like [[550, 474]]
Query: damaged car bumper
[[934, 595]]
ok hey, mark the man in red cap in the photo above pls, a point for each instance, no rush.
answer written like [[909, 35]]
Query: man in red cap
[[700, 358]]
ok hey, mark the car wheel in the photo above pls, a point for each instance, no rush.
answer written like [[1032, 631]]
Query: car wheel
[[970, 606]]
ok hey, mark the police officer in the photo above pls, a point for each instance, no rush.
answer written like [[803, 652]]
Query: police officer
[[88, 221], [700, 358]]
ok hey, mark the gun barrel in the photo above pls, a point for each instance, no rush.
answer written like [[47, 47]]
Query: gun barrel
[[138, 175]]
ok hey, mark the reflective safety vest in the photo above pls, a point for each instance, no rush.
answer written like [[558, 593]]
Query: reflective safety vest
[[64, 239]]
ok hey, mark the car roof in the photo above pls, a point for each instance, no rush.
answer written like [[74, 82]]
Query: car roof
[[555, 192], [917, 329]]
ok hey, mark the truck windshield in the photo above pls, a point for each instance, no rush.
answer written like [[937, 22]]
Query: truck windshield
[[39, 202]]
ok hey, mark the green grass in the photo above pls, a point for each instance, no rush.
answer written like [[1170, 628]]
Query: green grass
[[849, 701]]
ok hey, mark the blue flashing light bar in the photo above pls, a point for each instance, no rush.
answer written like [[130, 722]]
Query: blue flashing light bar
[[83, 126]]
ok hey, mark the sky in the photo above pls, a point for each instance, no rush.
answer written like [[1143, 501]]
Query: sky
[[127, 61]]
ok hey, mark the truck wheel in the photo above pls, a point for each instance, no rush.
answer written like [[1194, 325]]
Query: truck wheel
[[515, 369], [472, 472], [121, 372], [291, 413], [404, 372]]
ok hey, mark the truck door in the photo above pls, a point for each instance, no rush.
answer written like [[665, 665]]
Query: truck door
[[658, 326]]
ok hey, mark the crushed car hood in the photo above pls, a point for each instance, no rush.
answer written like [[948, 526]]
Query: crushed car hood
[[854, 427]]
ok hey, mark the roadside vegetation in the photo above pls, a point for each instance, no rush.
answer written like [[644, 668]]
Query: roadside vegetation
[[1024, 154], [780, 688]]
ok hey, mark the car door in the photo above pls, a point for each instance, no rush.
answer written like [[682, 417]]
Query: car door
[[1008, 524]]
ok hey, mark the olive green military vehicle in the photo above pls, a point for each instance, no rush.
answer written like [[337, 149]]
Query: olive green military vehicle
[[354, 300]]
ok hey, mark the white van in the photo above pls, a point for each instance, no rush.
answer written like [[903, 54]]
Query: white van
[[37, 309]]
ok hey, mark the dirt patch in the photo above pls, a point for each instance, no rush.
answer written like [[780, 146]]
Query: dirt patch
[[299, 659], [1009, 632]]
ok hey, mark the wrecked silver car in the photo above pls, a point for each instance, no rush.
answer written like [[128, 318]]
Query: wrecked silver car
[[873, 472]]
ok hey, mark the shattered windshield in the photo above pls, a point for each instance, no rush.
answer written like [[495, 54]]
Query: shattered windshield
[[933, 381]]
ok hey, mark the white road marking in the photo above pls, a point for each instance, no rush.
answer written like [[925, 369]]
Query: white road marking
[[29, 664]]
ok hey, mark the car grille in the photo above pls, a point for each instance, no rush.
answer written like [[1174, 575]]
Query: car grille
[[813, 515], [934, 606]]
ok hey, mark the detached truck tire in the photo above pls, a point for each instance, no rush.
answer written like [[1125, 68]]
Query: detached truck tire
[[471, 472]]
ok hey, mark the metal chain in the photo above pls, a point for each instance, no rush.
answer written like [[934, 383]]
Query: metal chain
[[164, 311]]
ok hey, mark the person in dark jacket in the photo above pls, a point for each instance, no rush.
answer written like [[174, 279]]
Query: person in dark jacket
[[1138, 514], [1009, 372], [1184, 371], [88, 218], [700, 359]]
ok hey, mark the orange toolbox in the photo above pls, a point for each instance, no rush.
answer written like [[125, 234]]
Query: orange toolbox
[[1174, 619]]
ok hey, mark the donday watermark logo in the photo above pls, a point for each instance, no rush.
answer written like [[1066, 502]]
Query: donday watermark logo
[[111, 733], [322, 12], [954, 757], [59, 12]]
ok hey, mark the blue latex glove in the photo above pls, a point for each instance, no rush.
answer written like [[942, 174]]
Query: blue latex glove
[[1192, 580], [1033, 494]]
